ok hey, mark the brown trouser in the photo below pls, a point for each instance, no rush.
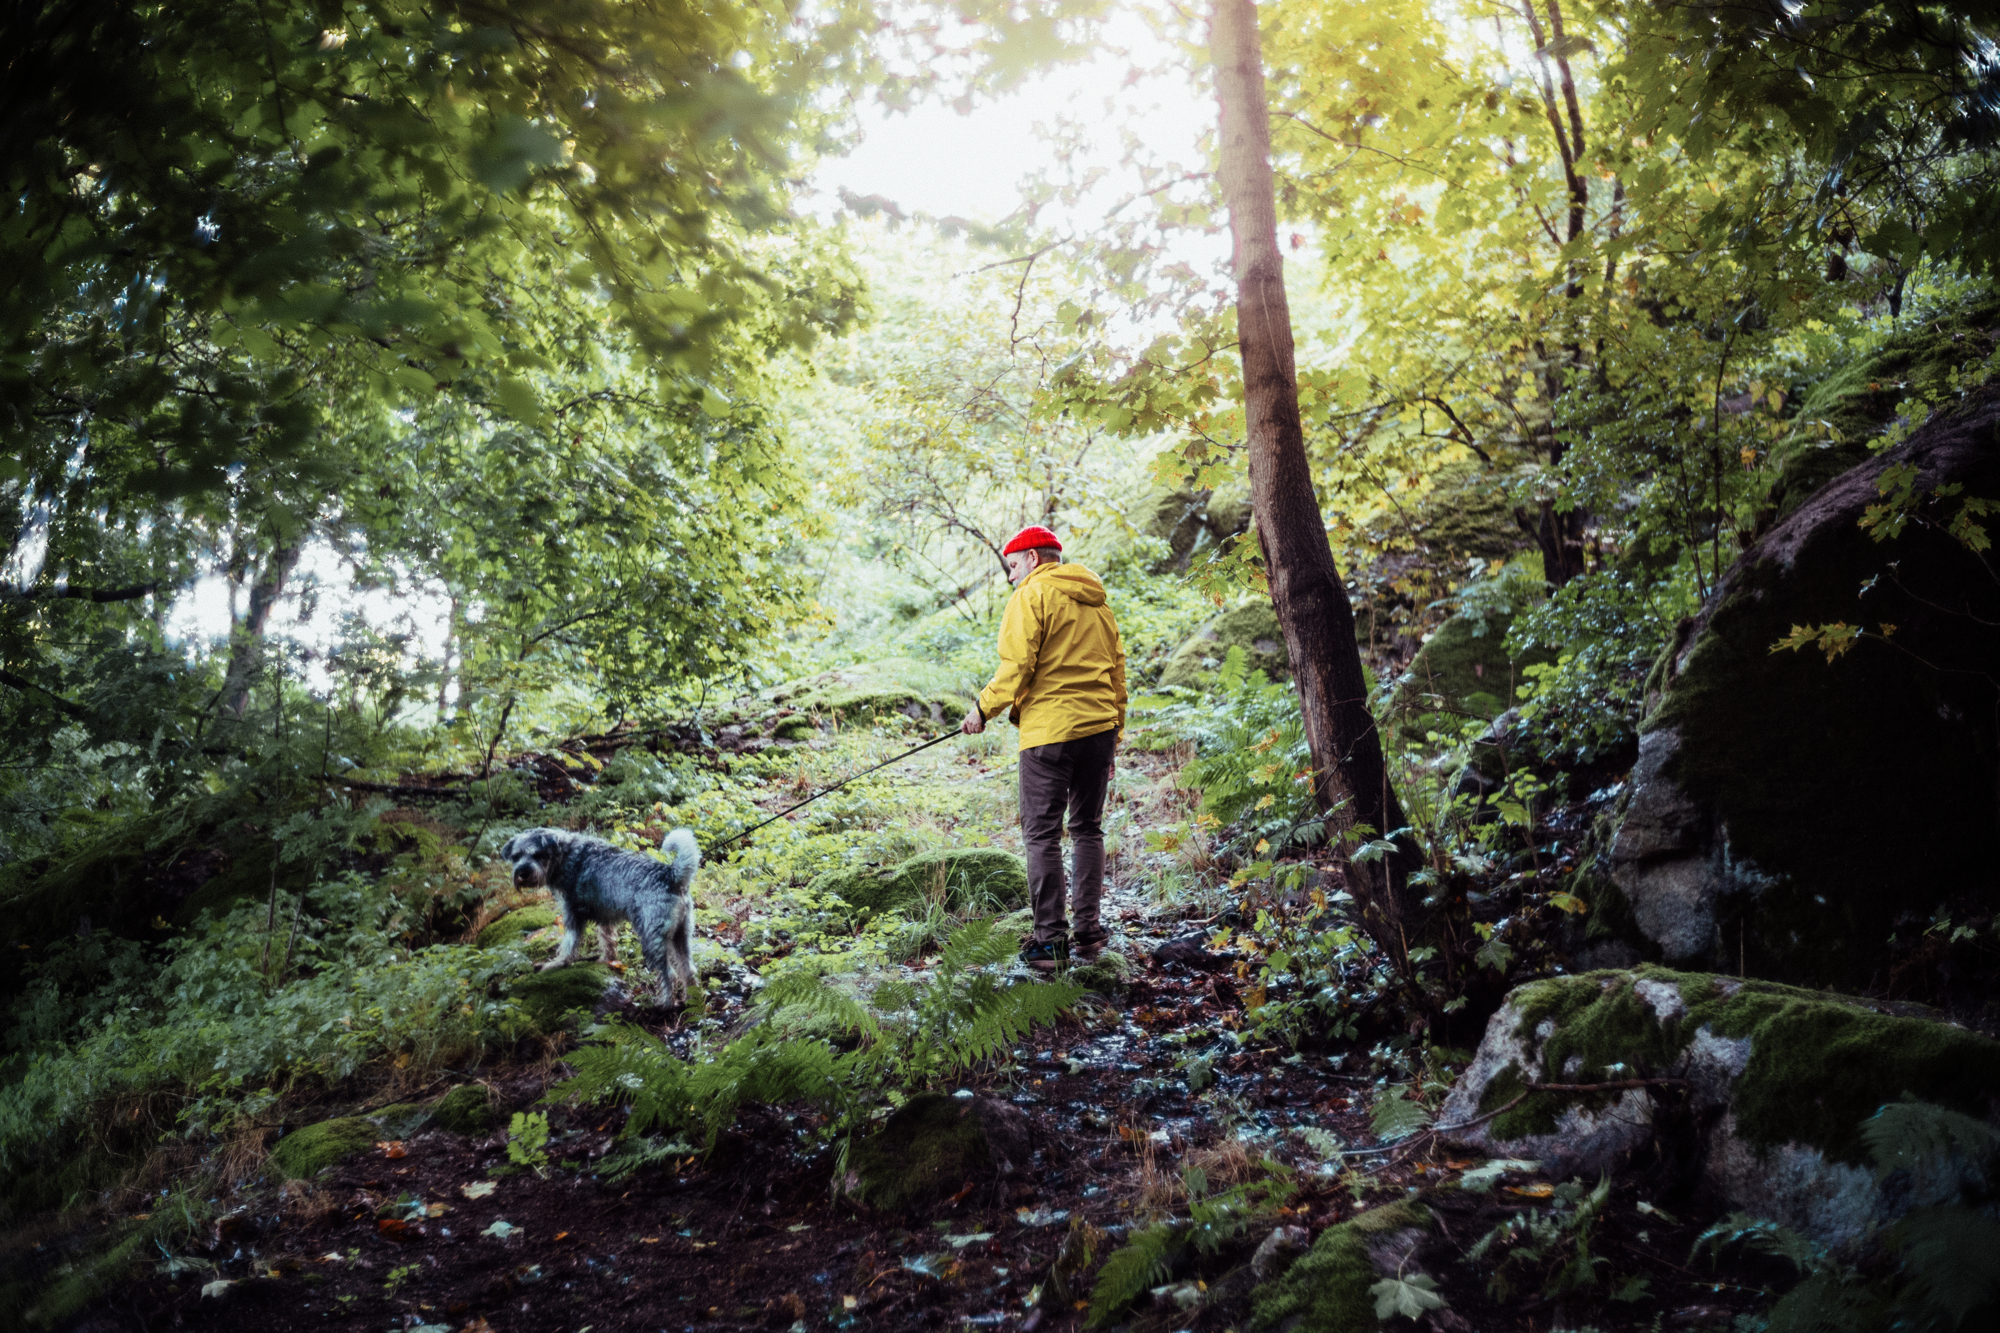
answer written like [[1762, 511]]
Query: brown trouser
[[1070, 776]]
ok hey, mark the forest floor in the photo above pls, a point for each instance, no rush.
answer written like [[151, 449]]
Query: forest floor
[[443, 1232]]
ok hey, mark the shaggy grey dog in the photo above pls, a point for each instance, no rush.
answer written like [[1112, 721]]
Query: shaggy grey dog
[[592, 881]]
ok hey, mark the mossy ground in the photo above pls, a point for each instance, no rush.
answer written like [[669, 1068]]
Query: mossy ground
[[1820, 1064], [553, 999], [930, 1148], [1326, 1291], [983, 879], [517, 925], [304, 1153], [466, 1109]]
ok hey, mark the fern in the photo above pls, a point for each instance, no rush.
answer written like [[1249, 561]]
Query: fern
[[1906, 1135], [912, 1033], [1394, 1116], [640, 1154], [1141, 1264]]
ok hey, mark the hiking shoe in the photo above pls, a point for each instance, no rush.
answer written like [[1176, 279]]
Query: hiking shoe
[[1045, 957], [1088, 948]]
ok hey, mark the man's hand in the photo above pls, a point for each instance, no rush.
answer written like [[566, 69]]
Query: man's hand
[[973, 724]]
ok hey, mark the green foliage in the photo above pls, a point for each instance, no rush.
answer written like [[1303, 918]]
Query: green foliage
[[212, 1029], [1215, 1221], [528, 1141], [1408, 1297], [1143, 1262], [1547, 1249], [1394, 1116], [1606, 630], [1251, 765], [910, 1035]]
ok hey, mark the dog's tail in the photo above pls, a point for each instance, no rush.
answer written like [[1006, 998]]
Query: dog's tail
[[680, 843]]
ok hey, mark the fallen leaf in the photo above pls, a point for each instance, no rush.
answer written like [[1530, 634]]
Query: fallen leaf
[[217, 1287], [561, 1234], [1538, 1190], [478, 1189], [393, 1150], [501, 1230], [649, 1240], [477, 1325], [395, 1228], [437, 1210]]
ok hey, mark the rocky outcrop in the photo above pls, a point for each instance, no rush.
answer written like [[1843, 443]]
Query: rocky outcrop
[[1792, 810], [1758, 1090]]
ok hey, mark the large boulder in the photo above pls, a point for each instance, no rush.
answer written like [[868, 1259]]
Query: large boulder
[[1769, 1088], [935, 1146], [1792, 810], [982, 879], [1464, 670], [1252, 625]]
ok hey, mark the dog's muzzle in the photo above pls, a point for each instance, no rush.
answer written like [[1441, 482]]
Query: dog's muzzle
[[528, 876]]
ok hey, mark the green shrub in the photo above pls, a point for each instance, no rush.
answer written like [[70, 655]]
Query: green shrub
[[1250, 755]]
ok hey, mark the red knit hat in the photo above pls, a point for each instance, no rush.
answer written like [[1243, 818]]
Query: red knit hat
[[1030, 539]]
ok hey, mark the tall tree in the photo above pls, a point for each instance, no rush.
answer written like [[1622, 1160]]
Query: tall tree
[[1350, 779]]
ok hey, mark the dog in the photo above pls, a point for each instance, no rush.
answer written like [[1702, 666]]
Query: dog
[[592, 881]]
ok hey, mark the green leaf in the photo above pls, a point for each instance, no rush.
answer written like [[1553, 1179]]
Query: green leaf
[[1406, 1297]]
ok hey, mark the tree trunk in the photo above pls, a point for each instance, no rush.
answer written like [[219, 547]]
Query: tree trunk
[[1350, 778], [247, 648]]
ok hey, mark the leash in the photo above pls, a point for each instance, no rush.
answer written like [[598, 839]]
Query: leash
[[893, 759]]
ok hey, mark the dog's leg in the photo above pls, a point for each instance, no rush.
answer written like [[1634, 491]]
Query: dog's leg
[[607, 942], [572, 933], [661, 936], [680, 948]]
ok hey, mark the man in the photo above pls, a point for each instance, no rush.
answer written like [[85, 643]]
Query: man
[[1062, 682]]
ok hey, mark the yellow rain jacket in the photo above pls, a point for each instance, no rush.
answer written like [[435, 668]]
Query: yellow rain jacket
[[1062, 664]]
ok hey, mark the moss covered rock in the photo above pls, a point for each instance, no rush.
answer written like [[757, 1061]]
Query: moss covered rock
[[1789, 813], [304, 1153], [933, 1147], [1463, 670], [1106, 974], [1775, 1083], [893, 685], [518, 925], [556, 999], [466, 1109], [972, 878], [1327, 1289], [1189, 521], [1252, 625]]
